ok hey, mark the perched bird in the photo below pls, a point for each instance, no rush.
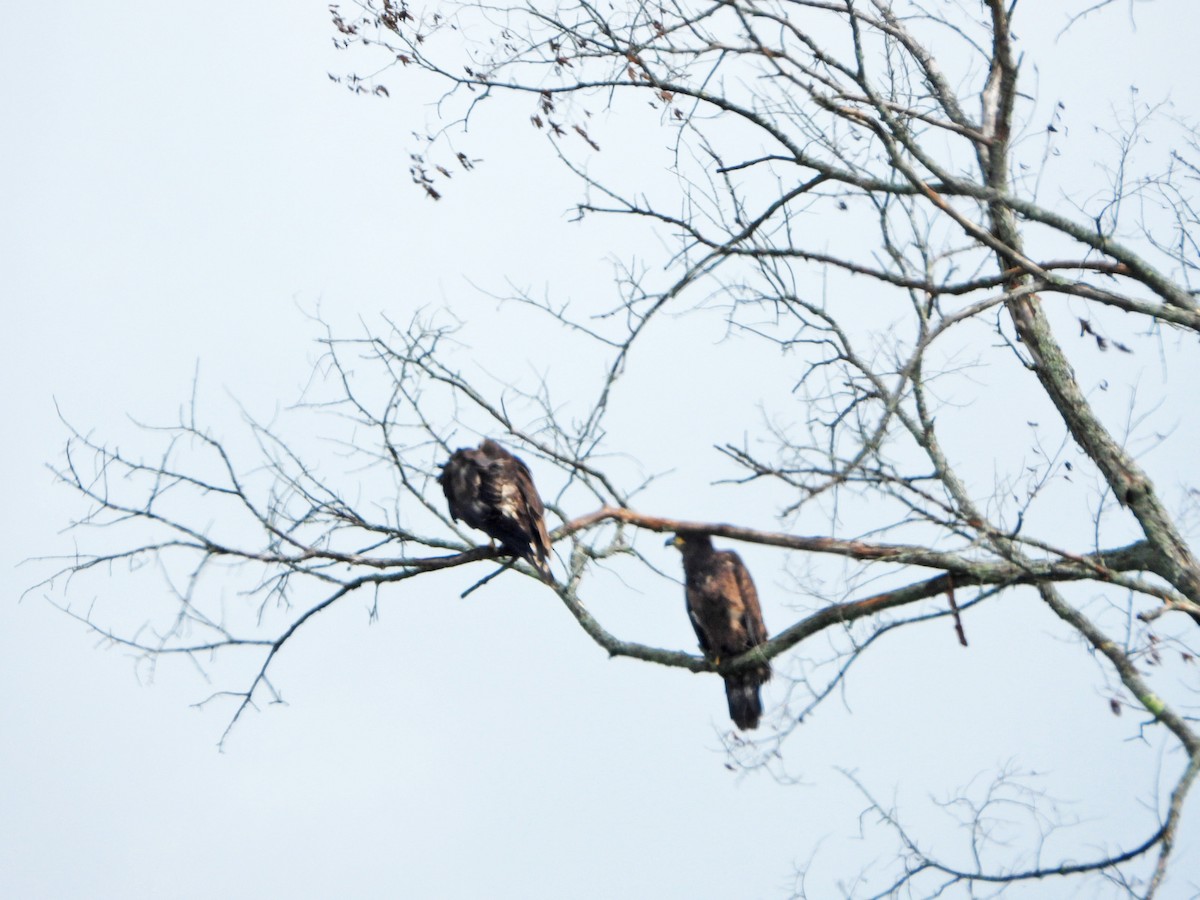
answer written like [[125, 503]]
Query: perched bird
[[492, 490], [723, 606]]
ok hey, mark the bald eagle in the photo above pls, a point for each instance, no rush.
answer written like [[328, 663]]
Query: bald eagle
[[492, 490], [723, 606]]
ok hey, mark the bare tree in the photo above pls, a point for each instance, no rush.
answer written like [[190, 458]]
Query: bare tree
[[869, 191]]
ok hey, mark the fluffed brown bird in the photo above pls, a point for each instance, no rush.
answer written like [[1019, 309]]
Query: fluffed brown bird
[[492, 490]]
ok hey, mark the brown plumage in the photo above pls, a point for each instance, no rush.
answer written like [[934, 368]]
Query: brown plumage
[[492, 490], [723, 606]]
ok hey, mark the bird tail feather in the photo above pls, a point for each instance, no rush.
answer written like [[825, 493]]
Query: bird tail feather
[[543, 568], [745, 703]]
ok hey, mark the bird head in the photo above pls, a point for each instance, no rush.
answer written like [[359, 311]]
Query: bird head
[[695, 542]]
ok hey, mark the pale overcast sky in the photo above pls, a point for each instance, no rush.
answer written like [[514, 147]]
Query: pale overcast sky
[[180, 187]]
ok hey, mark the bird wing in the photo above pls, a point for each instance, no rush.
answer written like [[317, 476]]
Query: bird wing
[[532, 509], [508, 488], [751, 613], [698, 626]]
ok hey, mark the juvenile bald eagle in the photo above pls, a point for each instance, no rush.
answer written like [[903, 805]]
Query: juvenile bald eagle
[[492, 490], [723, 606]]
